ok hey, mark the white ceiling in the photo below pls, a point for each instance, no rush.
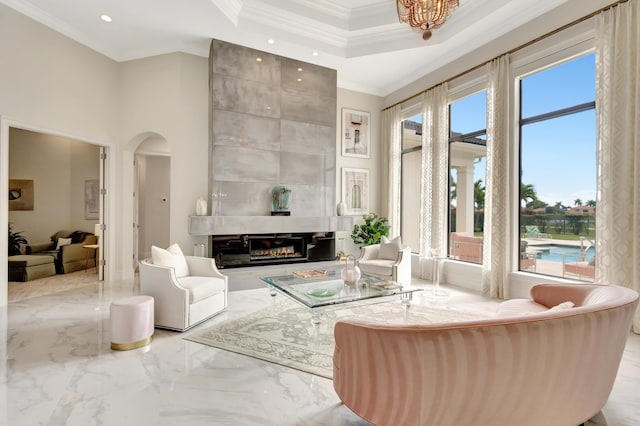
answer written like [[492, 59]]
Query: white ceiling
[[363, 39]]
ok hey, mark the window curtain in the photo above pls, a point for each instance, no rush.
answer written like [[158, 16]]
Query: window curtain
[[435, 181], [391, 134], [495, 262], [618, 148]]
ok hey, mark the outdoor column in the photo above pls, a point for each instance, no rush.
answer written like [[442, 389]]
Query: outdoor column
[[465, 205]]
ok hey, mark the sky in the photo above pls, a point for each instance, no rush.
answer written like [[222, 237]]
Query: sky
[[558, 155]]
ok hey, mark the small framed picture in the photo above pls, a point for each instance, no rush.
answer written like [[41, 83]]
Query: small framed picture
[[20, 194], [355, 190], [355, 133], [92, 199]]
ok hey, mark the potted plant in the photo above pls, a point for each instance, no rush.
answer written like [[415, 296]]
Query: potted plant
[[370, 232], [15, 239]]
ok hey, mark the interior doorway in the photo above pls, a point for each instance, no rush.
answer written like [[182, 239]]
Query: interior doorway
[[152, 196], [72, 209]]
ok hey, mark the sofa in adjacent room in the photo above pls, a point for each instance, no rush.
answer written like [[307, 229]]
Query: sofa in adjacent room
[[67, 250]]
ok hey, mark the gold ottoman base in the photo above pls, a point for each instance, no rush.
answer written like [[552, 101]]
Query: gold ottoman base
[[132, 345]]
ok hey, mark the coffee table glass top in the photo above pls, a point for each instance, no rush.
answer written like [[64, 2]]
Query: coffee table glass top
[[330, 289]]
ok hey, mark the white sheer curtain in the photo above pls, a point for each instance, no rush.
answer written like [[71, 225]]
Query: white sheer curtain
[[391, 141], [618, 147], [497, 200], [434, 185]]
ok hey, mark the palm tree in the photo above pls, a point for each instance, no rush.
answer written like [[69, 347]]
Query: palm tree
[[454, 187], [591, 203], [478, 194], [527, 192], [577, 202]]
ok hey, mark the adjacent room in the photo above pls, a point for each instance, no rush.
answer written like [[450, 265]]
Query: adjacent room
[[385, 212]]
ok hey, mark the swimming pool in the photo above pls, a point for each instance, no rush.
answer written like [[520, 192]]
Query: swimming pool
[[556, 253]]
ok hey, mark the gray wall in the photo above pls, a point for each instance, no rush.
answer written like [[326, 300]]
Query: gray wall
[[273, 122]]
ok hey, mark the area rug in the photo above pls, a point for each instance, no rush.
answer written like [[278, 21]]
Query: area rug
[[283, 333]]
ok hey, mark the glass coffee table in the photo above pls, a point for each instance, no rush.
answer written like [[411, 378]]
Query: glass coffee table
[[319, 288]]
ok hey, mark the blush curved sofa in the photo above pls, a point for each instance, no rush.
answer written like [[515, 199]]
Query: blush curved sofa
[[529, 365]]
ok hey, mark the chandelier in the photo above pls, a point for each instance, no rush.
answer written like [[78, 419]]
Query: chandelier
[[425, 15]]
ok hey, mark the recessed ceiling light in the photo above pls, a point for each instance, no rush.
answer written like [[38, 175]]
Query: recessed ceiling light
[[299, 79], [106, 18], [299, 69], [271, 41], [315, 53], [259, 59]]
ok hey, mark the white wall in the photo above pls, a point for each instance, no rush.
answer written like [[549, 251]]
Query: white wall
[[166, 95], [49, 82], [372, 104]]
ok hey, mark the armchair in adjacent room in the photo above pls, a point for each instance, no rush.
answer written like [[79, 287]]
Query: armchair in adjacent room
[[389, 258], [187, 290]]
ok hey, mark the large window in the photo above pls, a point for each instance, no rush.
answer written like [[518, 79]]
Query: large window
[[467, 171], [558, 170], [411, 175]]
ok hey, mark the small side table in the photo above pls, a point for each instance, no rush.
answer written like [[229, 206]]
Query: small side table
[[90, 248]]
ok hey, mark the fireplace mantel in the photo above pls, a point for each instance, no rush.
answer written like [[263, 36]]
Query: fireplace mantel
[[226, 225]]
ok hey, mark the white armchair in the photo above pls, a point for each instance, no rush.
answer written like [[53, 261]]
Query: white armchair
[[185, 301], [389, 258]]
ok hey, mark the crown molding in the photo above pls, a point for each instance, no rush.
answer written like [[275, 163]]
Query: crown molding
[[274, 17], [230, 9]]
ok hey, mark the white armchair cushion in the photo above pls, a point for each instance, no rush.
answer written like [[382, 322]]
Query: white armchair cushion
[[201, 288], [379, 266], [389, 249], [171, 257]]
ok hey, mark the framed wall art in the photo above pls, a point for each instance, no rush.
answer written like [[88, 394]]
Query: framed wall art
[[355, 190], [356, 139], [92, 199], [20, 194]]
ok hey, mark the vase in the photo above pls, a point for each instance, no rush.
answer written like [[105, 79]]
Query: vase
[[341, 209], [350, 272], [280, 198], [201, 207], [198, 250]]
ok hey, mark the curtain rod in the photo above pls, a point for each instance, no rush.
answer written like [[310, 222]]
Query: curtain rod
[[515, 49]]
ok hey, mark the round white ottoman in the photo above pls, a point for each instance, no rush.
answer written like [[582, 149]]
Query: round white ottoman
[[131, 322]]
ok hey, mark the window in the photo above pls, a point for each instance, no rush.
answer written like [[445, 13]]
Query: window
[[558, 170], [411, 176], [467, 176]]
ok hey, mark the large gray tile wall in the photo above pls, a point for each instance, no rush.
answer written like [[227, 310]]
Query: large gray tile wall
[[267, 129]]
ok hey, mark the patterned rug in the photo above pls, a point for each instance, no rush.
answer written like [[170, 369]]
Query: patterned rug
[[283, 333]]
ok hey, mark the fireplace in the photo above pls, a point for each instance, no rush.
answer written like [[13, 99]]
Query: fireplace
[[240, 250]]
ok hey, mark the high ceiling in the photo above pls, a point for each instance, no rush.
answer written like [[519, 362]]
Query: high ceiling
[[362, 39]]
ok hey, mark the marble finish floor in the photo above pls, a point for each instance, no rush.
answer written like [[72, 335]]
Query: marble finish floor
[[57, 368]]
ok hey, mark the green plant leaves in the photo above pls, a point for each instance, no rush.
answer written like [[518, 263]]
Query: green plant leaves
[[371, 231]]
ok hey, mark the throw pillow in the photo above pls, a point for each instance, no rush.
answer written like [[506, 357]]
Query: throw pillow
[[563, 305], [389, 249], [63, 242], [171, 257], [78, 236]]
